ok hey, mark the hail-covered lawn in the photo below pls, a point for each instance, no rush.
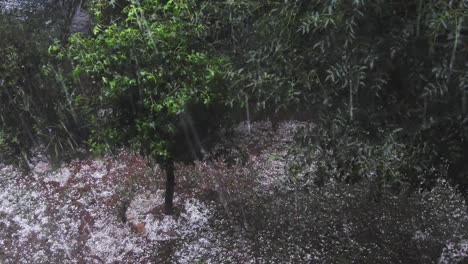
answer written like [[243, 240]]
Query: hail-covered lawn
[[239, 206]]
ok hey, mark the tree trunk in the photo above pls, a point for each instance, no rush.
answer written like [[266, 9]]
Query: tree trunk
[[170, 183]]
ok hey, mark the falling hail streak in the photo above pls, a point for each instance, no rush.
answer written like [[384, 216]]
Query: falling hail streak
[[191, 135], [143, 24], [247, 112]]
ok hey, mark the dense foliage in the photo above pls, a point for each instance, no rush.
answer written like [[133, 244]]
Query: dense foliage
[[149, 69], [36, 106], [394, 101]]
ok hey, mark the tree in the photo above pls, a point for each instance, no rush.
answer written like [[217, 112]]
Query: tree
[[150, 68]]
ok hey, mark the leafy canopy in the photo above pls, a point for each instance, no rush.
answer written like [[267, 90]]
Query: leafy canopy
[[151, 66]]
